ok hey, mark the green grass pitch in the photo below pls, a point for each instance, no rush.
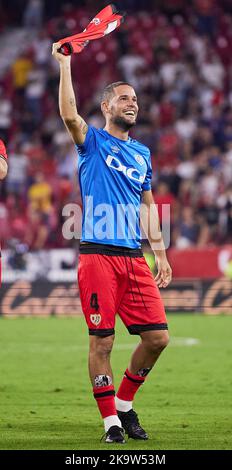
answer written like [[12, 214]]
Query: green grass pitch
[[46, 400]]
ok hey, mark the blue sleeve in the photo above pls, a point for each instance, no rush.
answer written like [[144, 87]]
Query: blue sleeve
[[146, 186], [89, 146]]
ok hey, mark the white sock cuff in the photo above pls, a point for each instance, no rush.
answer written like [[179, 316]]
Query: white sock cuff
[[112, 420], [123, 405]]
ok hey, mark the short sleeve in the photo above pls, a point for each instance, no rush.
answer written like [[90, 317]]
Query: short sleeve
[[89, 146], [146, 186]]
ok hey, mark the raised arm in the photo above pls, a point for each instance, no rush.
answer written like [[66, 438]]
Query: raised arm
[[149, 213], [74, 123]]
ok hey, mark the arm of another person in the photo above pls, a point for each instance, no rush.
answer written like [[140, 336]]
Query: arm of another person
[[149, 213], [3, 168], [74, 123], [3, 160]]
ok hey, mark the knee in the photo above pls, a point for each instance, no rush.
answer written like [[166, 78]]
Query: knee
[[101, 346], [157, 341], [163, 340]]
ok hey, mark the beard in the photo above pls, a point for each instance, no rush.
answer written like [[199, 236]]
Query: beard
[[122, 123]]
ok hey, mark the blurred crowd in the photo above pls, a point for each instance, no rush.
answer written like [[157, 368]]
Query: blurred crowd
[[177, 56]]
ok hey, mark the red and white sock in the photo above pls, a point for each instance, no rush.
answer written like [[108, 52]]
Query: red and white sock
[[127, 390], [105, 398]]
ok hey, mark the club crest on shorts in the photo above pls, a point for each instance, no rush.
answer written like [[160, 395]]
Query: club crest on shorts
[[95, 318]]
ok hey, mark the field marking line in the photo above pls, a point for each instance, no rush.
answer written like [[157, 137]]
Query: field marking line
[[45, 348]]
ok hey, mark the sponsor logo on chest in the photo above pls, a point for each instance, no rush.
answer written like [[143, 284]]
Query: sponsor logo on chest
[[132, 173]]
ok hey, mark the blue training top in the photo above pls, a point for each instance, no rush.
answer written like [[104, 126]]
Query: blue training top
[[112, 175]]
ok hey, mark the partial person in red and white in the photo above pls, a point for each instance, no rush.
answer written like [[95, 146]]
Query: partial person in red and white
[[3, 173], [3, 160]]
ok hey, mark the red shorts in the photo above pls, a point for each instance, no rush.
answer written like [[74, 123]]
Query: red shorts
[[111, 284]]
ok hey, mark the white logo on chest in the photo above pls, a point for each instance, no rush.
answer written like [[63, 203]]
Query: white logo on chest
[[132, 173], [115, 149], [139, 159]]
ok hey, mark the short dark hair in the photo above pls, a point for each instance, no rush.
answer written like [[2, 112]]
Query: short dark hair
[[108, 92]]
